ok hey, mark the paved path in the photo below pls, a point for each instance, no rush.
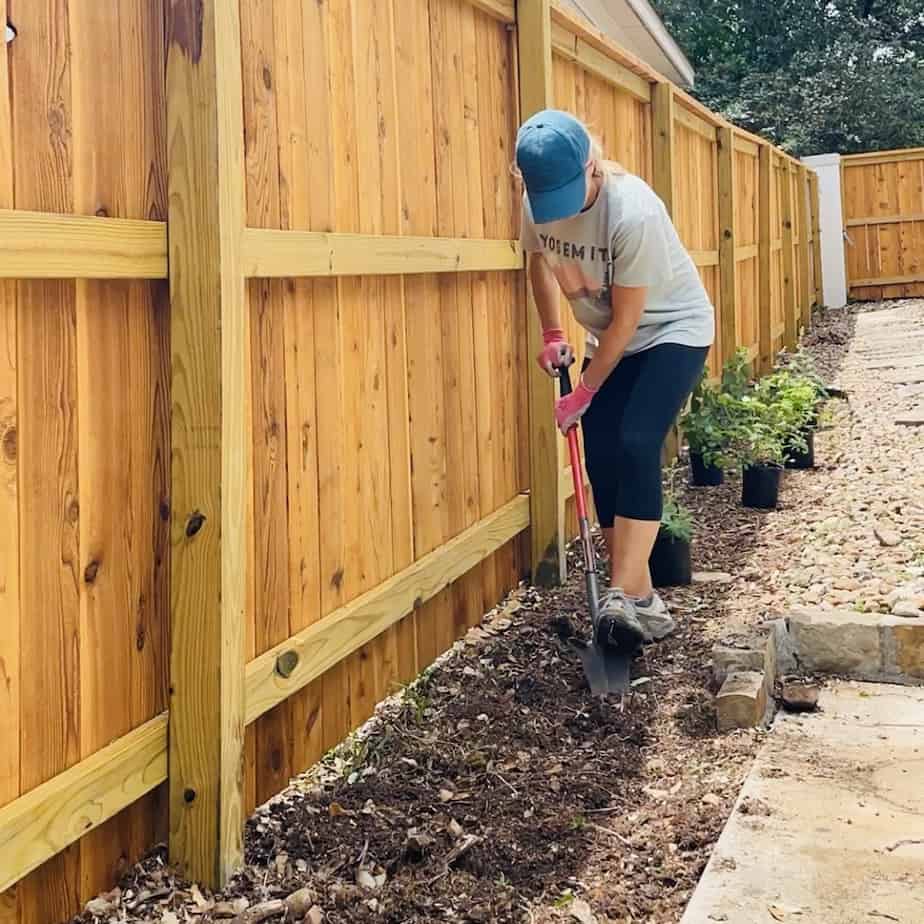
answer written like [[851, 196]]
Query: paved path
[[829, 828], [891, 340]]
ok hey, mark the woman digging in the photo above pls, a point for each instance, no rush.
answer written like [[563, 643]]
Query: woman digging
[[604, 238]]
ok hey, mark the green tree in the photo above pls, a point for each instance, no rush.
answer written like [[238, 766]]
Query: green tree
[[811, 75]]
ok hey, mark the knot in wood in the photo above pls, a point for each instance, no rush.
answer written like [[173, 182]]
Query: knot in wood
[[9, 444], [194, 523]]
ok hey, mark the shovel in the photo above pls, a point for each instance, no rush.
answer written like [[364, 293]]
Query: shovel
[[606, 667]]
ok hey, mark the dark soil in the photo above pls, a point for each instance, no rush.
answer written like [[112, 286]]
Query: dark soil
[[497, 788]]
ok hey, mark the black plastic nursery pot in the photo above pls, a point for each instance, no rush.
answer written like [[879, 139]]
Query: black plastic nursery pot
[[760, 486], [669, 562], [705, 476], [795, 458]]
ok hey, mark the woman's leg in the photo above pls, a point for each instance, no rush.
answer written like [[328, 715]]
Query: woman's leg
[[665, 378], [632, 543], [600, 425], [608, 540]]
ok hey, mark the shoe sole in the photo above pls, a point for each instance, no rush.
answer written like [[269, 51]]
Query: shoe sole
[[618, 634]]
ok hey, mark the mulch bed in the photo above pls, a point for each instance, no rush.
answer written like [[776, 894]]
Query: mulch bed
[[497, 788]]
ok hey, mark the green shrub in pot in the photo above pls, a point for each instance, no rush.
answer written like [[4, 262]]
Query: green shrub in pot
[[801, 368], [670, 561], [759, 447], [707, 425], [792, 403]]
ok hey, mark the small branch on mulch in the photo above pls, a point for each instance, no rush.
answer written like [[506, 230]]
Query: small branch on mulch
[[295, 908], [455, 854]]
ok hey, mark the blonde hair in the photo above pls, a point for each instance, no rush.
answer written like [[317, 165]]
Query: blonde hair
[[612, 167]]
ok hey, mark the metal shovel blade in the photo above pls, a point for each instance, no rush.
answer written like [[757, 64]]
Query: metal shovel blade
[[606, 669]]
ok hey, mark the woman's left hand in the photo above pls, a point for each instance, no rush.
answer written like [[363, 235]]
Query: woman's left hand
[[570, 409]]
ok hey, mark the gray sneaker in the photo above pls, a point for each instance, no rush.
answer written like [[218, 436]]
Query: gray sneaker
[[619, 624], [655, 618]]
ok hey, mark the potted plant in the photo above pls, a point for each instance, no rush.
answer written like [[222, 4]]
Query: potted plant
[[705, 426], [802, 367], [736, 374], [759, 448], [669, 561], [792, 403], [798, 416]]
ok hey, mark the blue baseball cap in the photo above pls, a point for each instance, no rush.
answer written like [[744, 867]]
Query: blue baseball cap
[[553, 148]]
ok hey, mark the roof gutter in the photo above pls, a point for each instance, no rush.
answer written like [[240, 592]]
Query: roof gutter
[[655, 28]]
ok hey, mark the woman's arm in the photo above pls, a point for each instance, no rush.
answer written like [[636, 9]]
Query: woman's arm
[[545, 292], [628, 305]]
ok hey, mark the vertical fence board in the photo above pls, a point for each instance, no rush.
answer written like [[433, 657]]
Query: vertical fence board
[[263, 75], [142, 55], [747, 237], [805, 234], [728, 316], [816, 240], [300, 63], [40, 84], [765, 237], [113, 436], [790, 281], [49, 567], [695, 211], [9, 502]]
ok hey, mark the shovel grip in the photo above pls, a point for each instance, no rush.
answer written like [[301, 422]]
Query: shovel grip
[[577, 473], [564, 380]]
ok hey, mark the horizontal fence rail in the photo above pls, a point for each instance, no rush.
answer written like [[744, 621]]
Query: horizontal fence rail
[[58, 813], [268, 253], [38, 245]]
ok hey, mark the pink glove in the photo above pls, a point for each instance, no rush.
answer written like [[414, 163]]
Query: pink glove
[[557, 351], [570, 409]]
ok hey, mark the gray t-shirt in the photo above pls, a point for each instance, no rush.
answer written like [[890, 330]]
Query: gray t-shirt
[[626, 238]]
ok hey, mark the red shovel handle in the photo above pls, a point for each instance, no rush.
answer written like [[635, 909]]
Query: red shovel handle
[[564, 378]]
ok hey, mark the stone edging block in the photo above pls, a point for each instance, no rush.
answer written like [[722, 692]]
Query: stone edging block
[[867, 646]]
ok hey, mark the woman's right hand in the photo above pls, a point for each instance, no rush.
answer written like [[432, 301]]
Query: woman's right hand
[[556, 353]]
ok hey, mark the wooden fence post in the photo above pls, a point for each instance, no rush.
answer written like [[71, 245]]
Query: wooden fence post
[[764, 260], [546, 504], [727, 262], [662, 156], [662, 138], [805, 231], [789, 257], [816, 235], [210, 439]]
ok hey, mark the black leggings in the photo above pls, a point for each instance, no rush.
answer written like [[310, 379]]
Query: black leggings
[[627, 423]]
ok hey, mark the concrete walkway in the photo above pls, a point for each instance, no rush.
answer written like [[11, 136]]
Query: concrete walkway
[[829, 827]]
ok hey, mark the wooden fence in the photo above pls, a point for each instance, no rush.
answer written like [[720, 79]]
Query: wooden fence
[[883, 205], [263, 468]]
